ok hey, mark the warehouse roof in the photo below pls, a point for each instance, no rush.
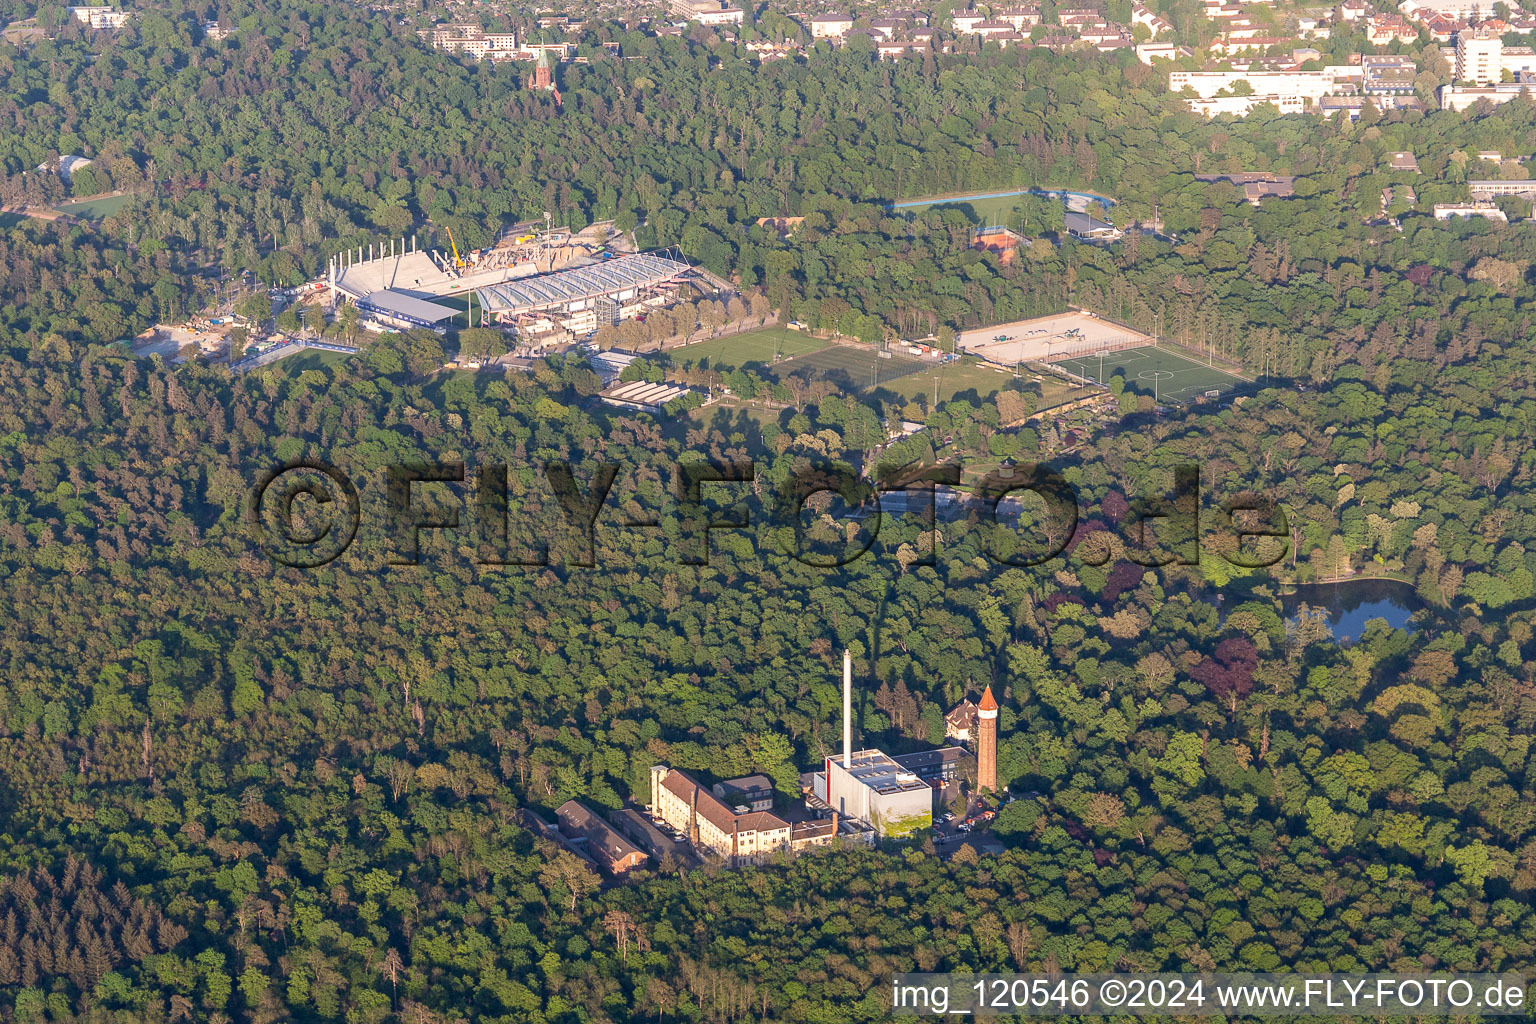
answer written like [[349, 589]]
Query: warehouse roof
[[638, 271], [642, 394], [599, 834]]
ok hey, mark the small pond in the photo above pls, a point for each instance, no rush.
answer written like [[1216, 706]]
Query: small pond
[[1353, 603]]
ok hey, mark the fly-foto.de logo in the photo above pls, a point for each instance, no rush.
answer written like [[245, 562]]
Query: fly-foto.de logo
[[308, 512]]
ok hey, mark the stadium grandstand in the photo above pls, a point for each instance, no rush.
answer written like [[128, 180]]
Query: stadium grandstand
[[400, 309], [396, 282], [419, 272], [569, 291]]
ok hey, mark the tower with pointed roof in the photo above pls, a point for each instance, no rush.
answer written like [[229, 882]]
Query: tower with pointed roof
[[544, 75], [986, 742]]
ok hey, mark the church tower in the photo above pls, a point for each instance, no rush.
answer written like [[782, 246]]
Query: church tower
[[544, 76], [986, 742]]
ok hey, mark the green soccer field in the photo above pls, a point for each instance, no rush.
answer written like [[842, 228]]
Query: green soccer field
[[851, 367], [96, 209], [1166, 375], [738, 350]]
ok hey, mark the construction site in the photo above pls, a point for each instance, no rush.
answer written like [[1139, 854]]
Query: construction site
[[1047, 339], [549, 287]]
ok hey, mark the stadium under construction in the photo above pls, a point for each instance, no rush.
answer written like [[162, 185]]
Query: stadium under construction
[[583, 299], [396, 284]]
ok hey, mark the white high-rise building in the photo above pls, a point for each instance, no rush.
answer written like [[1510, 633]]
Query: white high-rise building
[[1479, 57]]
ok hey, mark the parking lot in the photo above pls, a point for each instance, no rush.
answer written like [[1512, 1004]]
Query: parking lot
[[1048, 338]]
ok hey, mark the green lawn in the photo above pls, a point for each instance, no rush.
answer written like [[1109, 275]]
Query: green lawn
[[730, 411], [951, 379], [985, 212], [460, 302], [738, 350], [1056, 392], [96, 209], [311, 359]]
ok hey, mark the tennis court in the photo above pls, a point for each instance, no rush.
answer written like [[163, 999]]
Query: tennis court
[[1166, 375]]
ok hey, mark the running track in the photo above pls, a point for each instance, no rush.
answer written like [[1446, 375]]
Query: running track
[[1081, 198]]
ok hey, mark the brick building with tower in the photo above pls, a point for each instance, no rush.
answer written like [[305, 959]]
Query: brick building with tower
[[986, 742], [544, 75]]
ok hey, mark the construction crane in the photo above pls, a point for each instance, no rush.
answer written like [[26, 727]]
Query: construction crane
[[458, 261]]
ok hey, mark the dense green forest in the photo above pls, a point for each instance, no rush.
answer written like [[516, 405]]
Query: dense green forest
[[306, 781], [239, 791]]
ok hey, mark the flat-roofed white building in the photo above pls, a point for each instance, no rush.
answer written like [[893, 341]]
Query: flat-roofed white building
[[1242, 106], [1422, 10], [1484, 189], [831, 26], [1445, 211], [1460, 97], [723, 16], [1310, 86], [473, 41], [874, 788], [1149, 52]]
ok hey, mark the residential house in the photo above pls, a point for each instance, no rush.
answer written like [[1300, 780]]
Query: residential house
[[1021, 18], [960, 722], [101, 17], [1257, 185], [1389, 28], [965, 22], [1155, 23]]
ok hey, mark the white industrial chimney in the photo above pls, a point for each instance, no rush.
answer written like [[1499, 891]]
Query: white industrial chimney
[[847, 709]]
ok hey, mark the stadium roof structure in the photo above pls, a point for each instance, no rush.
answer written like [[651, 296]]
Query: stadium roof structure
[[566, 286], [407, 307]]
